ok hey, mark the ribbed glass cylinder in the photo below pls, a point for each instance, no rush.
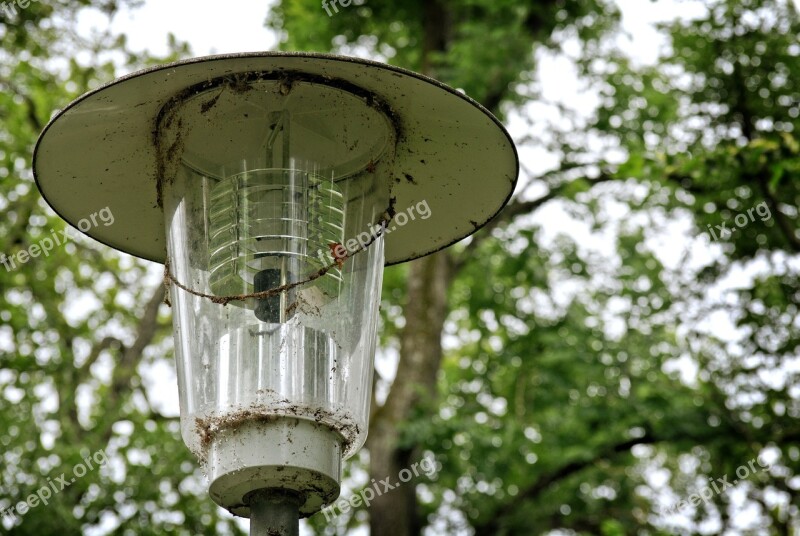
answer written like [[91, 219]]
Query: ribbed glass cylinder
[[269, 228]]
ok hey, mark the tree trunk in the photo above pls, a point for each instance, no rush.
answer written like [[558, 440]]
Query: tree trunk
[[395, 512]]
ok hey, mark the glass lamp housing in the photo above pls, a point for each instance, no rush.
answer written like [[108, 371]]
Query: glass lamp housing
[[271, 186]]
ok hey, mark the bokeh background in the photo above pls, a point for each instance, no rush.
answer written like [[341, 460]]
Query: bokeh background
[[599, 353]]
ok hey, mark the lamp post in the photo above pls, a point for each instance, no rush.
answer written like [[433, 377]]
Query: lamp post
[[274, 187]]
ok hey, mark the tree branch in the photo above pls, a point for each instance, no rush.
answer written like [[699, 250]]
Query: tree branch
[[534, 23], [544, 482], [132, 356], [33, 111], [94, 355], [786, 227], [512, 211]]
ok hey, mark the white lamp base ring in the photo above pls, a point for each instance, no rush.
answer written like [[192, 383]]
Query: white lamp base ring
[[285, 453]]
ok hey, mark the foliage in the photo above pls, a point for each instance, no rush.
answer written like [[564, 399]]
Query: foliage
[[73, 350], [605, 354], [556, 407]]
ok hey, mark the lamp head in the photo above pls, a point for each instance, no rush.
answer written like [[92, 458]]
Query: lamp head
[[276, 187]]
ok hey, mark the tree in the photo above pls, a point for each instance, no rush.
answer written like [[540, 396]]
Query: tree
[[80, 332], [606, 412], [569, 367]]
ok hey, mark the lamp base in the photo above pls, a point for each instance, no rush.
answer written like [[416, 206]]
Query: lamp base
[[282, 453]]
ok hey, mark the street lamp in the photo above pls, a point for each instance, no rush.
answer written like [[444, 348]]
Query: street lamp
[[274, 188]]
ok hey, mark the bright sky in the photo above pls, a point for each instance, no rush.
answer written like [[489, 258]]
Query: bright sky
[[239, 27], [208, 26]]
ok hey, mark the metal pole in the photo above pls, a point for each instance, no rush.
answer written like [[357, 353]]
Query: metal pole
[[274, 513]]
